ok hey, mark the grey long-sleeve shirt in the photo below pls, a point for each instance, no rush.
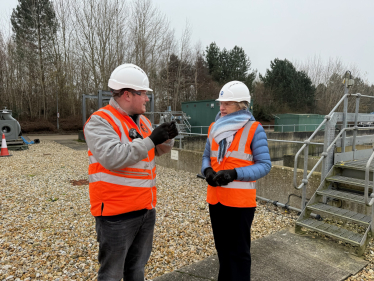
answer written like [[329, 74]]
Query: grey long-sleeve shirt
[[109, 151]]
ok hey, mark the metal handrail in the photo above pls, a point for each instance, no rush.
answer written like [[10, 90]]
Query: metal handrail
[[307, 142], [367, 171], [324, 154], [305, 147]]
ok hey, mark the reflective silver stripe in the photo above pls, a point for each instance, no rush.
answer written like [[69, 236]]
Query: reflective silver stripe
[[241, 185], [146, 122], [92, 159], [244, 136], [121, 180], [241, 155], [140, 165], [130, 173], [214, 153], [124, 138]]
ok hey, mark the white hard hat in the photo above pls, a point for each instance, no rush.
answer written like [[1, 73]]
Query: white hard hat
[[234, 91], [129, 75]]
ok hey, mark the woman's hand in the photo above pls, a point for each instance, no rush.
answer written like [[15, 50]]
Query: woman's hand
[[209, 175], [224, 177]]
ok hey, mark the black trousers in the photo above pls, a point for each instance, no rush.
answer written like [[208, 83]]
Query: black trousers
[[232, 236]]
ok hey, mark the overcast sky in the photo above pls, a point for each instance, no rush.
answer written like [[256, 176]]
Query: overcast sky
[[269, 29]]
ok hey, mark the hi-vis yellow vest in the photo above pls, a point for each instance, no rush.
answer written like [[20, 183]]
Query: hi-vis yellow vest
[[114, 192], [239, 154]]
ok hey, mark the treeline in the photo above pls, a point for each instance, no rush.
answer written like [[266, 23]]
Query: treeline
[[62, 49]]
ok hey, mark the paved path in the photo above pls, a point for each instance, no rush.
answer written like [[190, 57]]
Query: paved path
[[283, 256]]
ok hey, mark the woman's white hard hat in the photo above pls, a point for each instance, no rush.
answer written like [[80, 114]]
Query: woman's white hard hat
[[129, 75], [234, 91]]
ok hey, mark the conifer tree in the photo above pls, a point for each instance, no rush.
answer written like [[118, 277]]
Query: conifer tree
[[34, 24]]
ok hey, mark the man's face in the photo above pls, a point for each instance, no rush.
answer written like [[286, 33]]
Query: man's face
[[138, 102]]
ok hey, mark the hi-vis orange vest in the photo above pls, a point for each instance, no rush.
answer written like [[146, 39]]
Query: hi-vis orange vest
[[239, 154], [114, 192]]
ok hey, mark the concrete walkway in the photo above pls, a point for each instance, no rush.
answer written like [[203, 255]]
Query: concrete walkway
[[283, 256]]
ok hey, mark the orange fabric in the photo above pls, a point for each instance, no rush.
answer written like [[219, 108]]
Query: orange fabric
[[108, 199], [232, 197]]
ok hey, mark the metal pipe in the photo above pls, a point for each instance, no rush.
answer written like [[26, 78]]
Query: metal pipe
[[285, 206]]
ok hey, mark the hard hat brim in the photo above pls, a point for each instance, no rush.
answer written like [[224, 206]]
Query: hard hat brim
[[113, 84], [235, 99]]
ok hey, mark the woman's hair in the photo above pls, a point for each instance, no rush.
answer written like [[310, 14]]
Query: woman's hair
[[243, 105]]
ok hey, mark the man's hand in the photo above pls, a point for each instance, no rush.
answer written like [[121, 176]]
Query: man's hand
[[209, 175], [224, 177], [160, 134], [173, 131]]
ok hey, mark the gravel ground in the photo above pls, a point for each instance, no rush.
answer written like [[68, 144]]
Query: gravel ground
[[47, 231]]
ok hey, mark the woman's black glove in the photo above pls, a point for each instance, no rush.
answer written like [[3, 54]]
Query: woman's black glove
[[160, 134], [209, 175], [173, 130], [224, 177]]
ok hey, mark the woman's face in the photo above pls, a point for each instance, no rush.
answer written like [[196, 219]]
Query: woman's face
[[228, 107]]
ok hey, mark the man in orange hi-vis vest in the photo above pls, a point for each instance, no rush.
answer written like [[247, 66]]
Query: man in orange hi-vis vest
[[236, 155], [122, 174]]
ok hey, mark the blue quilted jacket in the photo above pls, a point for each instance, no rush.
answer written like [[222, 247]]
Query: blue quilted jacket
[[261, 157]]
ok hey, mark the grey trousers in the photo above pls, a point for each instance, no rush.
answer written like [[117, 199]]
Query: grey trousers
[[125, 246]]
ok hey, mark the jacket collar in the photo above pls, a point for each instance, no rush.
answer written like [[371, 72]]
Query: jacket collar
[[117, 107]]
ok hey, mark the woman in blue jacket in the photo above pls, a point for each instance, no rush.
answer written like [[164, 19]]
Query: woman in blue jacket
[[236, 155]]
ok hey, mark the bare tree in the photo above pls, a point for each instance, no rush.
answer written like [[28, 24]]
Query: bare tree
[[100, 27]]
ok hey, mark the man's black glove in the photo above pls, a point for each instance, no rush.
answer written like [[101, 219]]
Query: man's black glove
[[224, 177], [160, 134], [173, 131], [209, 175]]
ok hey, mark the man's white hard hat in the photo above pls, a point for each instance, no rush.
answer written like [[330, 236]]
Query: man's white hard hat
[[234, 91], [129, 75]]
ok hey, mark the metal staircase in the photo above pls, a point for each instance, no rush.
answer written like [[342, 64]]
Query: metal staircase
[[343, 186], [343, 202]]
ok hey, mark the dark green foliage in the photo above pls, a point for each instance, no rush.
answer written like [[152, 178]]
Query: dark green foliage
[[33, 23], [225, 66], [263, 113], [289, 87]]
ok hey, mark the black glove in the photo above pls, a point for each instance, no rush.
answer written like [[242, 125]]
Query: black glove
[[224, 177], [160, 133], [209, 175], [173, 131]]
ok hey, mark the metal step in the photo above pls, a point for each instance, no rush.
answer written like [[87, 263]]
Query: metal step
[[352, 197], [348, 180], [355, 164], [343, 213], [332, 230]]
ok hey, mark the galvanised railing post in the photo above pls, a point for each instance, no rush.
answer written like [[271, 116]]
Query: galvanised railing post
[[356, 128], [345, 111], [372, 220], [305, 175]]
